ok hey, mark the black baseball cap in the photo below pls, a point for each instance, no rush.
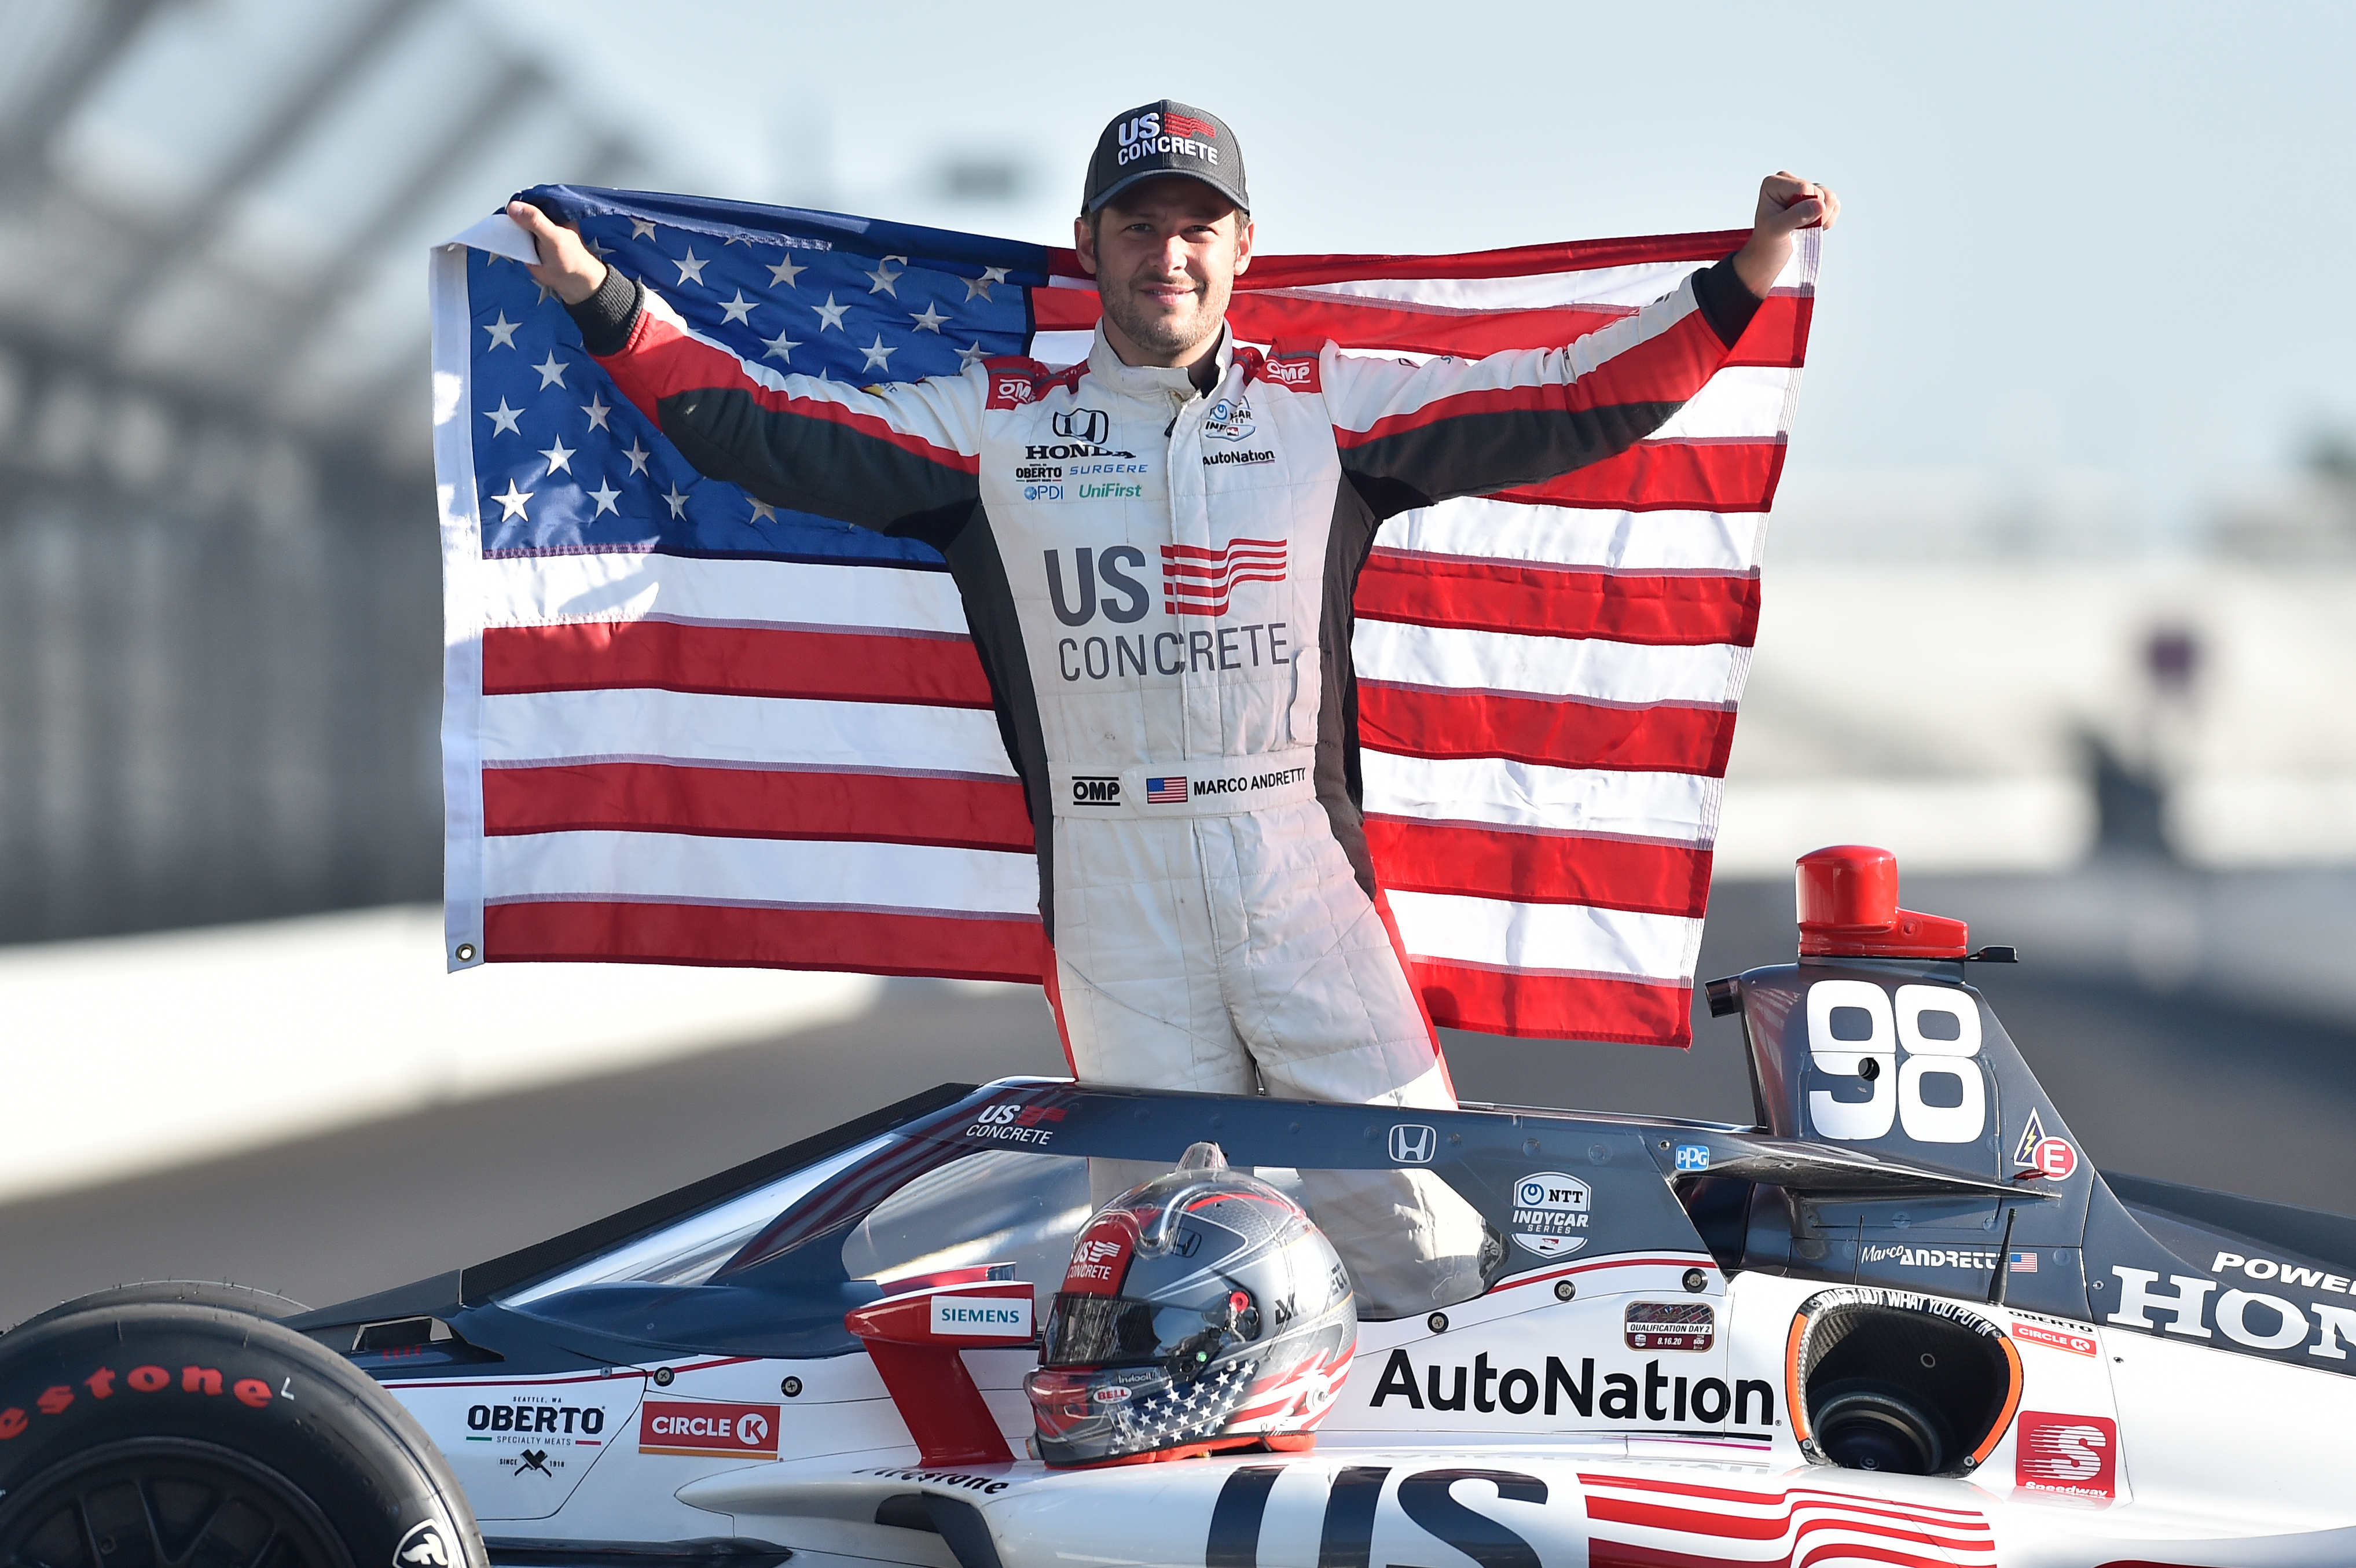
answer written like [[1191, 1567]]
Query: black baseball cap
[[1165, 138]]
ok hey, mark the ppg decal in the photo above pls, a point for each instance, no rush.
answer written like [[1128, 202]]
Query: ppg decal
[[1932, 1032]]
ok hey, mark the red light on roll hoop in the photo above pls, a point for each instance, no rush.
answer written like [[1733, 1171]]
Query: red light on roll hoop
[[1849, 908]]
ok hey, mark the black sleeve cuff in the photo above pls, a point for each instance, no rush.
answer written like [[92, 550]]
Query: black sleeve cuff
[[607, 317], [1726, 303]]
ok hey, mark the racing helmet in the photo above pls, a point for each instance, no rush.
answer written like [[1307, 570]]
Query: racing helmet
[[1201, 1310]]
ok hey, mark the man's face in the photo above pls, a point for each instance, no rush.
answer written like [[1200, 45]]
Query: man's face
[[1165, 254]]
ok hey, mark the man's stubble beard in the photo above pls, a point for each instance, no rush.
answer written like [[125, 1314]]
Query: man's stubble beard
[[1157, 334]]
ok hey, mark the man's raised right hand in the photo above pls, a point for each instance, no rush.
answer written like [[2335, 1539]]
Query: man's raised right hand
[[565, 267]]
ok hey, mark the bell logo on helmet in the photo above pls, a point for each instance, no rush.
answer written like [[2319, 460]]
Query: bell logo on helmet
[[423, 1547]]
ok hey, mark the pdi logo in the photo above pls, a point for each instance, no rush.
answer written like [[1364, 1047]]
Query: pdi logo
[[1412, 1143], [1091, 425]]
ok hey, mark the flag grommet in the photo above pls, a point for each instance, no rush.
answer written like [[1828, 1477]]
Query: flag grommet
[[466, 952]]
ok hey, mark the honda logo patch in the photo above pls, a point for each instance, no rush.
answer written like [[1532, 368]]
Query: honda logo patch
[[1090, 425], [1412, 1143]]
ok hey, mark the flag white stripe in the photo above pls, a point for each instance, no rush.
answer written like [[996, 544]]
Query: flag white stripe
[[1742, 402], [1482, 529], [1565, 938], [1620, 288], [674, 866], [857, 736], [536, 590], [1678, 807], [1548, 667]]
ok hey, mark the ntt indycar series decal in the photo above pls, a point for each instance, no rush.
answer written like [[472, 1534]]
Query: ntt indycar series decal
[[1550, 1213]]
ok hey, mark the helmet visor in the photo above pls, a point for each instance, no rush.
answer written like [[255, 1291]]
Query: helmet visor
[[1116, 1331]]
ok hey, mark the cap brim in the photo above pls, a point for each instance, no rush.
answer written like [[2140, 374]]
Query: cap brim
[[1141, 175]]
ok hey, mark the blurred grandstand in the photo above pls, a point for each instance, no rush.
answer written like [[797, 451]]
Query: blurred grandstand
[[218, 609]]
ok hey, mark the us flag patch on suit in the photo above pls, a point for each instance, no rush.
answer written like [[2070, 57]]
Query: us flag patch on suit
[[683, 725]]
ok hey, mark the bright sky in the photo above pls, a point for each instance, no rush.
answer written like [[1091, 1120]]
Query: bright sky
[[2107, 237]]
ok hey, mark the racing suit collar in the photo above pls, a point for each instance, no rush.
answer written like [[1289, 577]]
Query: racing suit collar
[[1154, 382]]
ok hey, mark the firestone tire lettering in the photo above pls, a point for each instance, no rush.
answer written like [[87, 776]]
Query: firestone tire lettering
[[168, 1375]]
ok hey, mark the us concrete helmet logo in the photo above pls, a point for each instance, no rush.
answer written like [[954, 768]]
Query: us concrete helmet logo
[[423, 1547], [1413, 1144]]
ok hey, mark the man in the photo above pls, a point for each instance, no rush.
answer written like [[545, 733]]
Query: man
[[1156, 549]]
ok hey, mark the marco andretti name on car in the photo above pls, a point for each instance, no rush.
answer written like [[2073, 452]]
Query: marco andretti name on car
[[1517, 1391]]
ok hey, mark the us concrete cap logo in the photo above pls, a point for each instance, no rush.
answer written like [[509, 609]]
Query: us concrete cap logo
[[1165, 138]]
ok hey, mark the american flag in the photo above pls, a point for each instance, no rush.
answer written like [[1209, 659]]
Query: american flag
[[683, 726], [1165, 791]]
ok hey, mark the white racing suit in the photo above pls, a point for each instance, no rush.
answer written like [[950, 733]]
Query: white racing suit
[[1159, 580]]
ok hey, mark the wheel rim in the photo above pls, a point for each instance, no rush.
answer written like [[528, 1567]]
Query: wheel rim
[[163, 1503]]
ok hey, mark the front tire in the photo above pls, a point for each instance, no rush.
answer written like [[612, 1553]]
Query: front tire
[[195, 1434]]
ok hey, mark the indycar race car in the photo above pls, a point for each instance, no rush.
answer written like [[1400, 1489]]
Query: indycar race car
[[1901, 1320]]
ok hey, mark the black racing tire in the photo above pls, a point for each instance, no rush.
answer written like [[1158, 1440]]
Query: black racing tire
[[196, 1291], [175, 1433]]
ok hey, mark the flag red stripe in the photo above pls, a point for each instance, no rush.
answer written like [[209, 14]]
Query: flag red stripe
[[734, 937], [733, 661], [1777, 334], [755, 803], [1552, 1007], [1423, 722], [1516, 262], [1418, 857], [1669, 476], [1663, 609]]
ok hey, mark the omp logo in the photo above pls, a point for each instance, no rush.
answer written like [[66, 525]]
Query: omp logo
[[1301, 374], [1930, 1037], [1013, 390], [1197, 581], [1090, 425], [423, 1547], [2075, 1453], [1125, 599], [1412, 1143]]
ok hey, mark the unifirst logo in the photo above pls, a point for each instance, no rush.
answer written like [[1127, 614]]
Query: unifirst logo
[[1144, 135]]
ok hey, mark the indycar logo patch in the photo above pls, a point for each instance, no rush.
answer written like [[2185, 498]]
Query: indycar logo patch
[[1550, 1212]]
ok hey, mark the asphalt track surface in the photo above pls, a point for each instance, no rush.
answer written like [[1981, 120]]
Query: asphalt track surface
[[2167, 1086]]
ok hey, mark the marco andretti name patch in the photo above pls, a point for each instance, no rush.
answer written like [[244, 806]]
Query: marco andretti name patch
[[1550, 1212]]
